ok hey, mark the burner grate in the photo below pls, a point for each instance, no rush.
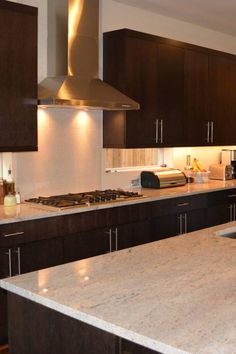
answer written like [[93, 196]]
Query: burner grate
[[71, 200]]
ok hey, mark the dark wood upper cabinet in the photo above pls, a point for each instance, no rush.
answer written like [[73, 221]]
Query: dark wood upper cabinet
[[18, 77], [186, 92], [196, 98], [222, 96], [153, 75]]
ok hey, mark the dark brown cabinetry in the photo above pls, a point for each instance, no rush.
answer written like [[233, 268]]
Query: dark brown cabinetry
[[153, 74], [222, 81], [25, 247], [196, 98], [106, 231], [221, 207], [35, 244], [178, 216], [78, 337], [18, 77], [186, 92]]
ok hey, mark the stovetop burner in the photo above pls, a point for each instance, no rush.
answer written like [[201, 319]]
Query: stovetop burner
[[72, 200]]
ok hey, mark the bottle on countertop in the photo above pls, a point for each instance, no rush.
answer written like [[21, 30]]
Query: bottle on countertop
[[188, 169], [2, 190], [18, 197], [9, 200], [10, 185]]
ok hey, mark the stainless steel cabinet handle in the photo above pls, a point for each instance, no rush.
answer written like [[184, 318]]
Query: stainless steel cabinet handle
[[18, 259], [157, 131], [231, 195], [116, 238], [9, 262], [180, 224], [230, 212], [110, 240], [161, 138], [14, 234], [212, 132], [185, 223], [234, 212], [208, 132], [183, 204]]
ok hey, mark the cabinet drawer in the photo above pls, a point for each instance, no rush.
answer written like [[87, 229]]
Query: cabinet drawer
[[222, 197], [28, 231], [179, 205], [161, 207], [184, 204]]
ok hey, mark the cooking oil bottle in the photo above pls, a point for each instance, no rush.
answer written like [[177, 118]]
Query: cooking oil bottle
[[10, 184]]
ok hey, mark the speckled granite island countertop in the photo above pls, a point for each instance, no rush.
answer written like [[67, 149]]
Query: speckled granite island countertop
[[24, 212], [174, 296]]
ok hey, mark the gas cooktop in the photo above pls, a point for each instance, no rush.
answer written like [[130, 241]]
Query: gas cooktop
[[72, 200]]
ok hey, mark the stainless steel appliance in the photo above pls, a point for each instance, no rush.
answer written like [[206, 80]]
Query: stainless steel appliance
[[162, 178], [220, 171], [228, 157], [86, 199], [73, 70]]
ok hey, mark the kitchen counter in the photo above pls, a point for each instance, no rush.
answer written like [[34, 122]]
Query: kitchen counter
[[25, 212], [173, 296]]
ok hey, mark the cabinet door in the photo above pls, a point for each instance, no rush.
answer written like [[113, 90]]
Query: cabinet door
[[133, 234], [196, 97], [218, 214], [177, 224], [152, 74], [3, 317], [164, 226], [222, 78], [85, 244], [39, 254], [18, 77], [141, 85], [170, 96], [128, 347], [221, 207], [196, 220]]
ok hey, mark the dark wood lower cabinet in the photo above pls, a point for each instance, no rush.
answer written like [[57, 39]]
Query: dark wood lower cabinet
[[59, 334], [3, 317], [133, 348], [23, 258], [177, 224], [133, 234], [218, 214], [42, 243], [85, 244]]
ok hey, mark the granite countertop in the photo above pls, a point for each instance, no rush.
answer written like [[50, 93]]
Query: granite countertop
[[25, 212], [174, 296]]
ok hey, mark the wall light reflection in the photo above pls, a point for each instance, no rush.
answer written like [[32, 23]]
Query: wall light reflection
[[42, 117], [82, 119]]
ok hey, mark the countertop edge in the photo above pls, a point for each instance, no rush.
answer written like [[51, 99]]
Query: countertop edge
[[42, 214], [92, 320]]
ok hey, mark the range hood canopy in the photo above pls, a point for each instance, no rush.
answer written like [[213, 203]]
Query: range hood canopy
[[73, 60]]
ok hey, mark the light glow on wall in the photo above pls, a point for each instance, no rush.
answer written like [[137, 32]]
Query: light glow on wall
[[82, 119], [42, 117]]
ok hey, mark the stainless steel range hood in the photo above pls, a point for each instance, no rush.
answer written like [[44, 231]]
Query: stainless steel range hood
[[73, 60]]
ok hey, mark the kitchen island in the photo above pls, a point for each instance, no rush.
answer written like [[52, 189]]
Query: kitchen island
[[172, 296]]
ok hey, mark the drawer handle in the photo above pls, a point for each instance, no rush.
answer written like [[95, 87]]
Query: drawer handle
[[14, 234], [231, 195], [183, 204]]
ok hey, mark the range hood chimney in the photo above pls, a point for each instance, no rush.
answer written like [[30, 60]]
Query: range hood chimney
[[73, 60]]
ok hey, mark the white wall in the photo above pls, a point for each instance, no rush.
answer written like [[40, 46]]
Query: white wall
[[70, 156]]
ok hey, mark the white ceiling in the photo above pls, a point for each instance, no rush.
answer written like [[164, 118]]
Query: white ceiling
[[218, 15]]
